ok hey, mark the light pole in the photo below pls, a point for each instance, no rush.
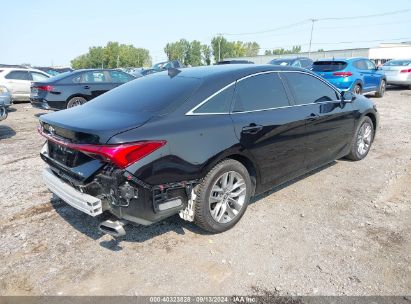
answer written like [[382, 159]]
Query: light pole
[[219, 46], [311, 36]]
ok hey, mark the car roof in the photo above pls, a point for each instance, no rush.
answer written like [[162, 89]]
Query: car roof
[[229, 71], [342, 59], [22, 69], [290, 58]]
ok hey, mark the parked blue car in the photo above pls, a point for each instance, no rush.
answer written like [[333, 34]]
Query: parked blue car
[[359, 75]]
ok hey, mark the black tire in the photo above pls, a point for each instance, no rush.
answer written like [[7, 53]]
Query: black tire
[[202, 207], [357, 89], [381, 89], [75, 101], [355, 143]]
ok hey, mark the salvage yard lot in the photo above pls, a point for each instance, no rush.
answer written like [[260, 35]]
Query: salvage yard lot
[[345, 230]]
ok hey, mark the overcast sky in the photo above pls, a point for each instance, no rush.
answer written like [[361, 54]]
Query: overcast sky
[[43, 32]]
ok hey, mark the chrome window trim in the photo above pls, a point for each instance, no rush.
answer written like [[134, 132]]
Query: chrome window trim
[[191, 112]]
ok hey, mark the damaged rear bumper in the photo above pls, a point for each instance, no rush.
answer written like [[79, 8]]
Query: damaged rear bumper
[[81, 201], [120, 194]]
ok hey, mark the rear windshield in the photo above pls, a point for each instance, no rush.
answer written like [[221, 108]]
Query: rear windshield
[[329, 66], [57, 77], [157, 93], [398, 63]]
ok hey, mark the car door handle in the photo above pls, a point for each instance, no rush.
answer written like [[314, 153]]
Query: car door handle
[[313, 117], [252, 129], [87, 87]]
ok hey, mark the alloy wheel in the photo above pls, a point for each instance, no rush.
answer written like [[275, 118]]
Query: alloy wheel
[[364, 138], [227, 197]]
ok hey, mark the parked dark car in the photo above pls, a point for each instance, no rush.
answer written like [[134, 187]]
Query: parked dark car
[[200, 143], [235, 61], [71, 89], [298, 62]]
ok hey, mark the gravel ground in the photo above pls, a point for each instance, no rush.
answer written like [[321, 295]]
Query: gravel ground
[[343, 230]]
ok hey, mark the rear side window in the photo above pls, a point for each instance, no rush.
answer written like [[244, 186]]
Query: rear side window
[[329, 66], [94, 76], [18, 75], [219, 103], [361, 65], [308, 89], [120, 77], [260, 92]]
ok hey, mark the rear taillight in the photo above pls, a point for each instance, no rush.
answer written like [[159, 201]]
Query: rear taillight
[[121, 155], [406, 71], [47, 88], [342, 74]]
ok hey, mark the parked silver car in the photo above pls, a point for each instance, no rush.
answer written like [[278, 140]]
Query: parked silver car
[[398, 72], [5, 97], [18, 81]]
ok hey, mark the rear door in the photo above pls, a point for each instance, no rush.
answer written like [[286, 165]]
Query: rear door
[[95, 83], [366, 75], [329, 122], [18, 81], [270, 128]]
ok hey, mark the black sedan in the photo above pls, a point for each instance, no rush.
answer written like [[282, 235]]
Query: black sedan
[[71, 89], [200, 142]]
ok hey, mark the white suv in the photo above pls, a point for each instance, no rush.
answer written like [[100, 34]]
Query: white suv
[[18, 81]]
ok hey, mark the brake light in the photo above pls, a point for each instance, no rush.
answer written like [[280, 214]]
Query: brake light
[[121, 155], [342, 74], [405, 71], [46, 88]]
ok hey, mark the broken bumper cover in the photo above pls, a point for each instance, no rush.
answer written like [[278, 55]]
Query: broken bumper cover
[[81, 201]]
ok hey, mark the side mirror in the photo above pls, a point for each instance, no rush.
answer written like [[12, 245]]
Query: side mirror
[[347, 96]]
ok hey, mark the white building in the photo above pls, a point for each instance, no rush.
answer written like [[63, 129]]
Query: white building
[[380, 54]]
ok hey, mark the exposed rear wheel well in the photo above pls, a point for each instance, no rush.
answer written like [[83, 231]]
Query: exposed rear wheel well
[[249, 166], [373, 119]]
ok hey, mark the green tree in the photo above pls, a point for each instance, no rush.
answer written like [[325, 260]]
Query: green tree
[[189, 53], [227, 49], [206, 54], [113, 55], [294, 50]]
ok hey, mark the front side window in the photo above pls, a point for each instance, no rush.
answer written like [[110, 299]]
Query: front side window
[[94, 76], [260, 92], [18, 75], [370, 65], [120, 77], [308, 89], [219, 103]]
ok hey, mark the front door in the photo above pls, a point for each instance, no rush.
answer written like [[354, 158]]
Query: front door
[[329, 121], [270, 128]]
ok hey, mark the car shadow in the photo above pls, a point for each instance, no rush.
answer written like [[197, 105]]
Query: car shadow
[[397, 88], [135, 233], [6, 132], [138, 233], [11, 109], [289, 183]]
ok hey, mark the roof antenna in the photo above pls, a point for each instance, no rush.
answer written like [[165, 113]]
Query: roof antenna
[[172, 72]]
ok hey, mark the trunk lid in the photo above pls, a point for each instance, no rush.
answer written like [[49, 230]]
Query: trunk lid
[[92, 126]]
